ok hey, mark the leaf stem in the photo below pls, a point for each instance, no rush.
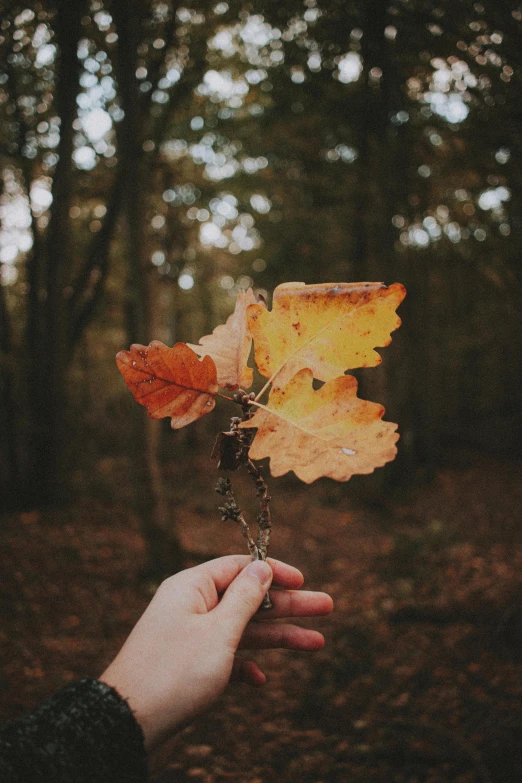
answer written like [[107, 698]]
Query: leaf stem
[[276, 413], [267, 384], [225, 397]]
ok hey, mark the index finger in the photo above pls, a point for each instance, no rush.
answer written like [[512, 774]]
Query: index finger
[[285, 575], [223, 571]]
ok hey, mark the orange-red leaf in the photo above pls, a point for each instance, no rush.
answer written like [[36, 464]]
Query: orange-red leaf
[[330, 328], [328, 432], [229, 346], [170, 381]]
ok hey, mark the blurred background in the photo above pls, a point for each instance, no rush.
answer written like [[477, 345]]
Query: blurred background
[[155, 159]]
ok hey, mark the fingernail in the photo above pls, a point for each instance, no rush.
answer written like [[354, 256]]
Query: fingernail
[[261, 570]]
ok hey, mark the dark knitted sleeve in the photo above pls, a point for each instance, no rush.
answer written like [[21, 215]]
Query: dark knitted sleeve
[[85, 733]]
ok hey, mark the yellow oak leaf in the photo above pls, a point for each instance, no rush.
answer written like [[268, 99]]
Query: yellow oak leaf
[[229, 346], [330, 328], [169, 381], [328, 432]]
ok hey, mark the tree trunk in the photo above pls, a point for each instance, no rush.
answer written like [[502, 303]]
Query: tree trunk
[[165, 551], [381, 188], [9, 455], [49, 324]]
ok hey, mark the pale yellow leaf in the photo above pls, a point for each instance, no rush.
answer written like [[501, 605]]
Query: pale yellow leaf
[[229, 346]]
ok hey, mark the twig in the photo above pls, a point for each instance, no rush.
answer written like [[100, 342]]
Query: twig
[[232, 511], [264, 521], [231, 449]]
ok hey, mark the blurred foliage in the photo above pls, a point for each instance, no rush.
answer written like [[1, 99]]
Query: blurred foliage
[[156, 158]]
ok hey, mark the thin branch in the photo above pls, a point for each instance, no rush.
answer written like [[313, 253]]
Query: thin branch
[[232, 450], [169, 35], [86, 293], [232, 511], [264, 521], [178, 93]]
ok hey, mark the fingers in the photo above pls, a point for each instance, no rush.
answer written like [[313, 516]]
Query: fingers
[[289, 603], [267, 636], [247, 671], [285, 575], [242, 599], [223, 570]]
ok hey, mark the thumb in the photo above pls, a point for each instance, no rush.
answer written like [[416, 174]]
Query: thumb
[[243, 598]]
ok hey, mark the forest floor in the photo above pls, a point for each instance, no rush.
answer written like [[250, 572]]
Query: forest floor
[[421, 677]]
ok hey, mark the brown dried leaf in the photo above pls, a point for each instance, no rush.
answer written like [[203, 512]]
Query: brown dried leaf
[[169, 381], [329, 328], [229, 346], [328, 432], [227, 451]]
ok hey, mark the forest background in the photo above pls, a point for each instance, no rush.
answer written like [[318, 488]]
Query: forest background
[[158, 157]]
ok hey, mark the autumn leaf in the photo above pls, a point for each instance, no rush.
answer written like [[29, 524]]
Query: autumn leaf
[[229, 346], [328, 432], [329, 328], [170, 381]]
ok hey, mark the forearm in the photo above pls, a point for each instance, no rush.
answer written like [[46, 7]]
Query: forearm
[[85, 733]]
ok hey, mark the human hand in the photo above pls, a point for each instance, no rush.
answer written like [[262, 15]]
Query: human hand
[[181, 654]]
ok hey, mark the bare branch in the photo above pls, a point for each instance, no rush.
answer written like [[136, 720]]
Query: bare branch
[[90, 281], [231, 449], [230, 510], [264, 520]]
